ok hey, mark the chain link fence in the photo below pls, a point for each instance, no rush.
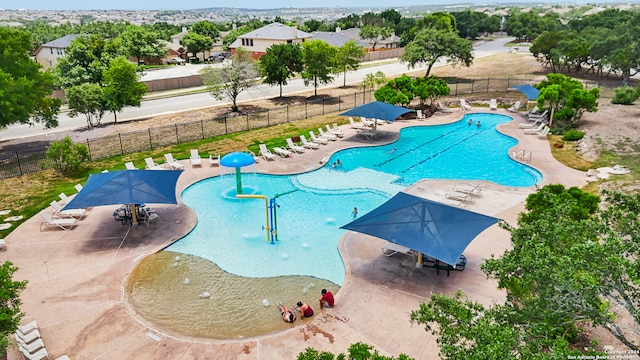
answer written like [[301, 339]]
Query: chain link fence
[[20, 163]]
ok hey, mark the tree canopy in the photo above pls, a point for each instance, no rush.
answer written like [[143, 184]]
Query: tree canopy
[[431, 45], [319, 62], [10, 302], [567, 98], [122, 85], [196, 43], [141, 42], [24, 89], [231, 79], [375, 34], [280, 62], [348, 58]]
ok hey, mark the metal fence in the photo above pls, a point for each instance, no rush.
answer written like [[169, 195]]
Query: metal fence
[[20, 163]]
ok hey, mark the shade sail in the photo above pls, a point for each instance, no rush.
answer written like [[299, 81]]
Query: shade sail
[[438, 230], [378, 110], [529, 91], [128, 187]]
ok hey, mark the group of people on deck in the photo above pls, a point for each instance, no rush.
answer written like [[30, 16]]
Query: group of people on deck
[[326, 301]]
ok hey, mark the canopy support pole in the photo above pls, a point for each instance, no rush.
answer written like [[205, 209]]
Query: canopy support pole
[[420, 261]]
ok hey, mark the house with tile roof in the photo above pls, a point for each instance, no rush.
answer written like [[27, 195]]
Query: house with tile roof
[[258, 41], [48, 54]]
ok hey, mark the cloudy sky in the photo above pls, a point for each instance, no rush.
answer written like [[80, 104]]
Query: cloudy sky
[[199, 4]]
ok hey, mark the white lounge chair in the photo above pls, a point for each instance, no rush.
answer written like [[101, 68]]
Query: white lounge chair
[[78, 187], [355, 125], [129, 165], [30, 347], [48, 219], [493, 104], [444, 108], [530, 124], [420, 115], [266, 153], [65, 199], [214, 160], [538, 116], [327, 136], [381, 122], [390, 249], [544, 133], [195, 158], [173, 164], [464, 106], [309, 144], [468, 189], [3, 245], [514, 107], [69, 213], [335, 130], [150, 216], [534, 131], [366, 122], [28, 327], [459, 197], [318, 140], [282, 152], [255, 157], [29, 337], [151, 165], [295, 148], [38, 355]]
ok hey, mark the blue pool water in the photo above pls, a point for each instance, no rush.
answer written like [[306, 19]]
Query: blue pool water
[[230, 231]]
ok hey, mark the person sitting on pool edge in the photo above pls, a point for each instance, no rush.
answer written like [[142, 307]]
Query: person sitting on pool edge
[[287, 315], [326, 301], [304, 309]]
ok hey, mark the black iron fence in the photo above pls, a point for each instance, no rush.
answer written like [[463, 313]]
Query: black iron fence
[[20, 163]]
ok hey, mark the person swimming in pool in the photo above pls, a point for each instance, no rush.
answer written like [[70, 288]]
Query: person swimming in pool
[[470, 122], [287, 315], [478, 123], [354, 213]]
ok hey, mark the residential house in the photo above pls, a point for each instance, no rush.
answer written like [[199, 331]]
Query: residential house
[[258, 41], [48, 54], [337, 38], [389, 43]]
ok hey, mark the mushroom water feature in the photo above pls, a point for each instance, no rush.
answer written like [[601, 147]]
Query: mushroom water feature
[[237, 160]]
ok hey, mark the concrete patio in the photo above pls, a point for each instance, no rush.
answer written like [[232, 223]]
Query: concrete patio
[[76, 277]]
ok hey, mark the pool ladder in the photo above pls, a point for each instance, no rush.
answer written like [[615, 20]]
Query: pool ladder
[[522, 155]]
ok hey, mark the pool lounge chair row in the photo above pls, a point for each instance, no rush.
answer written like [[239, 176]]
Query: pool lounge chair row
[[30, 342]]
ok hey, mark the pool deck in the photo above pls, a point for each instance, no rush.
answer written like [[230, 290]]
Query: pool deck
[[76, 277]]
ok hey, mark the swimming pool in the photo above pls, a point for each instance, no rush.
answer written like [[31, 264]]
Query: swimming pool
[[230, 232]]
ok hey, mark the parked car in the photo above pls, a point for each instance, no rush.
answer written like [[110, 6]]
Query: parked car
[[177, 61], [219, 57]]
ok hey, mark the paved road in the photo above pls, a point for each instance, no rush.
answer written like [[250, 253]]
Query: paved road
[[175, 104]]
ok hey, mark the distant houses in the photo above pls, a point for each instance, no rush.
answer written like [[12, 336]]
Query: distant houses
[[258, 41], [48, 54]]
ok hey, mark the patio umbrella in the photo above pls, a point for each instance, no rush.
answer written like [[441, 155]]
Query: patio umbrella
[[127, 187], [438, 230], [529, 91], [378, 110]]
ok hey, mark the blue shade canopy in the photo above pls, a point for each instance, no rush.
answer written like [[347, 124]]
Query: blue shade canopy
[[438, 230], [529, 91], [128, 187], [237, 159], [378, 110]]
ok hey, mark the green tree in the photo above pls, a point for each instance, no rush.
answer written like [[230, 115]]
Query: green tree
[[24, 89], [232, 79], [348, 58], [86, 61], [372, 81], [196, 43], [122, 86], [206, 28], [375, 34], [319, 62], [357, 351], [397, 91], [430, 88], [87, 99], [561, 92], [431, 45], [281, 62], [65, 157], [142, 42], [10, 302]]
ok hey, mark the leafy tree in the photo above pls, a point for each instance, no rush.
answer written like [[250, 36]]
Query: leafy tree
[[319, 62], [65, 156], [196, 43], [430, 88], [280, 62], [469, 23], [375, 34], [397, 91], [372, 81], [315, 25], [122, 86], [141, 42], [348, 58], [10, 302], [231, 79], [431, 45], [24, 89], [86, 61], [206, 28], [562, 92], [87, 99], [357, 351]]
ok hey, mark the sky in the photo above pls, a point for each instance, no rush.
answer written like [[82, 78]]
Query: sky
[[249, 4]]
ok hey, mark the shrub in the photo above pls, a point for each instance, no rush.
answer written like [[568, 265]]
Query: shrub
[[65, 156], [572, 135], [625, 95]]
